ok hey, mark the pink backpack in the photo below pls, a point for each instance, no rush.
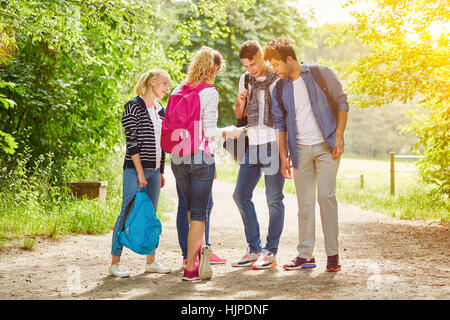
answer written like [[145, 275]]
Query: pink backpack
[[180, 134]]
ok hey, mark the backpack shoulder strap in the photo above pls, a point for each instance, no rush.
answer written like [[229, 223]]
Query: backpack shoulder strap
[[279, 90], [127, 212], [320, 80], [246, 80], [161, 112]]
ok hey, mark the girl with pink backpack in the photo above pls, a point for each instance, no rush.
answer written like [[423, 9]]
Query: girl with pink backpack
[[189, 133]]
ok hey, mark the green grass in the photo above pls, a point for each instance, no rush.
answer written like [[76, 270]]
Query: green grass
[[33, 208], [413, 199]]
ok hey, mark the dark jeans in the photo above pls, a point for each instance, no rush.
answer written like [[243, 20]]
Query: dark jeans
[[183, 222], [195, 175], [260, 159]]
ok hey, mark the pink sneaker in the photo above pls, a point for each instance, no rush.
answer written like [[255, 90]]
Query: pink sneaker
[[215, 259], [191, 275]]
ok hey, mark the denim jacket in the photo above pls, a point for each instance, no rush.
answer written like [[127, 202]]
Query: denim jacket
[[325, 115]]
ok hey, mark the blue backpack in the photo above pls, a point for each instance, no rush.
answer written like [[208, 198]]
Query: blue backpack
[[141, 228]]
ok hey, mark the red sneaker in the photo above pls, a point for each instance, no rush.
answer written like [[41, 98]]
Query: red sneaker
[[300, 263], [333, 264], [191, 275], [215, 259]]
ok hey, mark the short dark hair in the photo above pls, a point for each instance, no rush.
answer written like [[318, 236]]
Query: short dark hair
[[279, 49], [249, 49]]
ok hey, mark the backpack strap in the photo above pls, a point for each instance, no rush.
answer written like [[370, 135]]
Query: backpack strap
[[246, 81], [127, 212], [320, 80], [279, 90]]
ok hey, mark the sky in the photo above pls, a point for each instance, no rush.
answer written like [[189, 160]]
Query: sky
[[326, 11], [331, 11]]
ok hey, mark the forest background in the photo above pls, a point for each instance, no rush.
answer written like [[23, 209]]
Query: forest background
[[67, 67]]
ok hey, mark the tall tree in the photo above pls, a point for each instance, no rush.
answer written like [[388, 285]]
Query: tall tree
[[261, 20], [409, 41], [75, 65]]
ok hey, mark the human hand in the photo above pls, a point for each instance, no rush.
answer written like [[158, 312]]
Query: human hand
[[142, 180], [240, 104], [338, 149], [285, 168], [233, 132], [163, 181]]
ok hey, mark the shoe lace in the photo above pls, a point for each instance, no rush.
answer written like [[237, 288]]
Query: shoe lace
[[265, 253], [298, 260], [119, 268], [333, 260]]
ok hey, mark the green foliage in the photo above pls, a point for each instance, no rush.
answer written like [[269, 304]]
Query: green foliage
[[7, 48], [373, 131], [66, 69], [327, 49], [433, 130], [75, 65], [231, 25], [409, 60], [32, 206], [72, 63]]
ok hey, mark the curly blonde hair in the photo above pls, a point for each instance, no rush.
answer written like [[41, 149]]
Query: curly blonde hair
[[144, 80], [202, 67]]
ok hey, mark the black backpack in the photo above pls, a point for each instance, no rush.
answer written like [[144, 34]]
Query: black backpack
[[231, 145]]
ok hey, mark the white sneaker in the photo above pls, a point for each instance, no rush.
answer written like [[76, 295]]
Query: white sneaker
[[246, 260], [117, 271], [156, 267], [266, 260], [204, 269]]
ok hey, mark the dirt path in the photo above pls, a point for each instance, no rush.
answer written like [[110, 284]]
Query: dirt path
[[382, 258]]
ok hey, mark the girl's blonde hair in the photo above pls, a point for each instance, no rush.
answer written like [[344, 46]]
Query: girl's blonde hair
[[202, 65], [144, 80]]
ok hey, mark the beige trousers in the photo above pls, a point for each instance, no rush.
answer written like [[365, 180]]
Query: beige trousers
[[316, 169]]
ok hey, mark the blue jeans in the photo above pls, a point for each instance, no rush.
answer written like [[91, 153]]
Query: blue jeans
[[130, 188], [195, 175], [183, 222], [258, 159]]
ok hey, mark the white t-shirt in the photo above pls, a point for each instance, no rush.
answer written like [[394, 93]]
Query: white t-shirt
[[259, 134], [308, 132], [157, 125]]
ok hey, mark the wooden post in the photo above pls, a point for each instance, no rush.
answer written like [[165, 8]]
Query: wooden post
[[392, 156], [362, 181]]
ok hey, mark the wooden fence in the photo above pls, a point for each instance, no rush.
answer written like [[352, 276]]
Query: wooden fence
[[360, 178], [392, 157]]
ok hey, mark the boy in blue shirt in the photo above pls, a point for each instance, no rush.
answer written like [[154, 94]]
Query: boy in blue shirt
[[312, 128]]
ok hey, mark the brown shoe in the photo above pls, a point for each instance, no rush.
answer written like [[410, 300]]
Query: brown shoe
[[333, 264], [300, 263]]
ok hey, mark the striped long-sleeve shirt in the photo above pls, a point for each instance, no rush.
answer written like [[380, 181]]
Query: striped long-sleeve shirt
[[140, 135]]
